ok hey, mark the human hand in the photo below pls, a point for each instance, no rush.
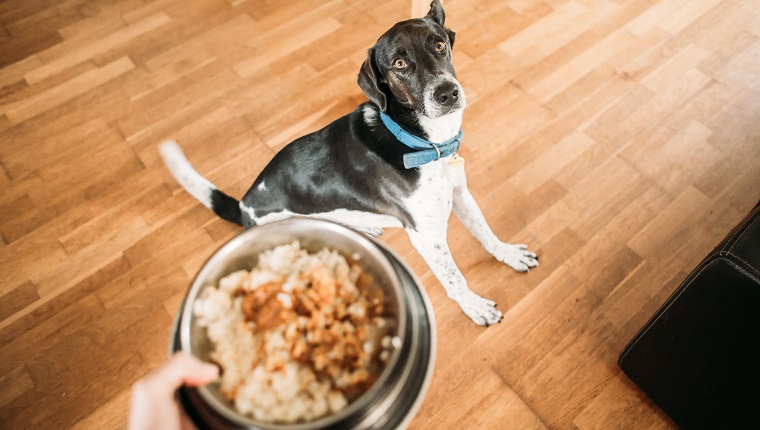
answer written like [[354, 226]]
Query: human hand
[[153, 402]]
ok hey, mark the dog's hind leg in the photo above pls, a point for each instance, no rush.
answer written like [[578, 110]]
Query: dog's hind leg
[[431, 245]]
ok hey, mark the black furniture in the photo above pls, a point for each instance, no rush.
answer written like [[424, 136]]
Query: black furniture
[[697, 357]]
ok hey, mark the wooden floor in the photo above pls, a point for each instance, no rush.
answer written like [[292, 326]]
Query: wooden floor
[[620, 139]]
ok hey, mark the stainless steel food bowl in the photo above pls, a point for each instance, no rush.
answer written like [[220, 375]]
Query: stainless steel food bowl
[[393, 399]]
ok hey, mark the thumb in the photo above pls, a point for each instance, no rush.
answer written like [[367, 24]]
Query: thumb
[[182, 369]]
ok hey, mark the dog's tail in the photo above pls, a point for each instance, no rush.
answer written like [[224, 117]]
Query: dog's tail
[[199, 187]]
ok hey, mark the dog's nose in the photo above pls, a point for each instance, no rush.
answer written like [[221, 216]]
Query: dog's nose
[[447, 94]]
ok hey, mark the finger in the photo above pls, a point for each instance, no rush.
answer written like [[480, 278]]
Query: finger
[[182, 369]]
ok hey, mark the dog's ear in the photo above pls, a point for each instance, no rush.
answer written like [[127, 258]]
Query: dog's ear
[[436, 13], [452, 36], [369, 81]]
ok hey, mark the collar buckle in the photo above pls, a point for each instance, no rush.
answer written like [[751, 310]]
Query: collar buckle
[[437, 150]]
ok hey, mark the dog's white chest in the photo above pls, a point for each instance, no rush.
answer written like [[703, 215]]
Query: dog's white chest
[[443, 128], [431, 203]]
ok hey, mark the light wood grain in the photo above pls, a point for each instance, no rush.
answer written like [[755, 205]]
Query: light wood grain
[[620, 139]]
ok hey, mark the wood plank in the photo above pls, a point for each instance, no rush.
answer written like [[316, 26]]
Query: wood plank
[[621, 400], [24, 109], [56, 64], [15, 384], [15, 72], [617, 138], [111, 415], [17, 299], [281, 44]]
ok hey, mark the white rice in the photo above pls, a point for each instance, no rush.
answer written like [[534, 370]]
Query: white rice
[[259, 343]]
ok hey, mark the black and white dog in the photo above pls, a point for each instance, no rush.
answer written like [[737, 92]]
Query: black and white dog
[[390, 163]]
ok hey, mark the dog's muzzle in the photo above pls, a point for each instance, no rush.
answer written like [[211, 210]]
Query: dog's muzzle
[[447, 94], [445, 97]]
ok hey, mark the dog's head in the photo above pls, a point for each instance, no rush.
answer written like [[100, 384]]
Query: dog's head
[[410, 65]]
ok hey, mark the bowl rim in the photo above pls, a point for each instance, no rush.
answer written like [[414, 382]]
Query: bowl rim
[[370, 245], [427, 381]]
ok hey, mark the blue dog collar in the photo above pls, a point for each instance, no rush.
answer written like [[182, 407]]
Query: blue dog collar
[[426, 151]]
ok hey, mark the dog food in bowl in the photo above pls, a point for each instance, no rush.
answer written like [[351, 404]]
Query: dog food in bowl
[[299, 337]]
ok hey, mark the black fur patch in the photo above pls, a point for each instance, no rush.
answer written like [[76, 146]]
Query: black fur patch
[[346, 165], [226, 207]]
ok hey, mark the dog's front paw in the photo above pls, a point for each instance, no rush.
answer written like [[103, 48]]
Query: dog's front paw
[[516, 256], [482, 311]]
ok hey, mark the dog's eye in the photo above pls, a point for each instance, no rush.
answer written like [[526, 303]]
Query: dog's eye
[[399, 64], [440, 46]]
